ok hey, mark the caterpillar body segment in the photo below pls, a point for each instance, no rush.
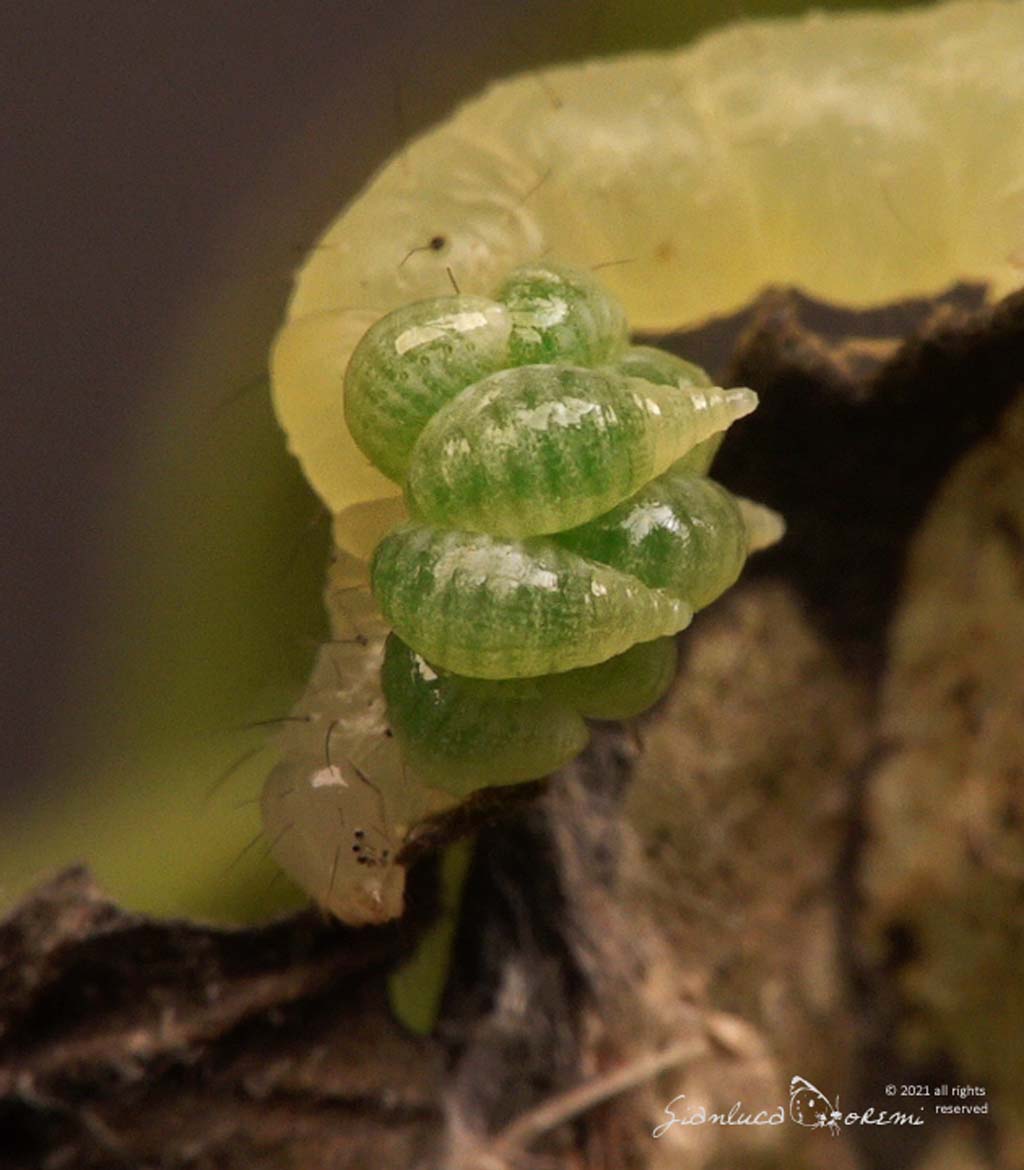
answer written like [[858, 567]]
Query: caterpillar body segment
[[341, 804], [307, 365], [328, 830]]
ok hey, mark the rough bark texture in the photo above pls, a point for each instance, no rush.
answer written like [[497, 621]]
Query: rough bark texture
[[808, 862]]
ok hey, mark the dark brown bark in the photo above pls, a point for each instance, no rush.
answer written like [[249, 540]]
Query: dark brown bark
[[701, 891]]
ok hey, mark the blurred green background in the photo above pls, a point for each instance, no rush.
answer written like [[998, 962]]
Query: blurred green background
[[164, 557]]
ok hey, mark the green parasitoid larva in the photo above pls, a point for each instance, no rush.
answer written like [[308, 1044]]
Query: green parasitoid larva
[[561, 314], [493, 608], [682, 533], [454, 730], [542, 448], [413, 361]]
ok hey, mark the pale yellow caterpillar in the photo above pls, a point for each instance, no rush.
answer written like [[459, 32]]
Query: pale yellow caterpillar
[[863, 157], [803, 178]]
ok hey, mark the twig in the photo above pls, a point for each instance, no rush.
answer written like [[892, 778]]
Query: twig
[[556, 1111]]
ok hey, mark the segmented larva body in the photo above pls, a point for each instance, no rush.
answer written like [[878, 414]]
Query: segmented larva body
[[412, 363], [682, 533], [492, 608], [455, 730], [539, 449], [562, 530], [332, 834]]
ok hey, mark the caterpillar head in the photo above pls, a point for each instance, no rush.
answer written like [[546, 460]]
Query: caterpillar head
[[330, 831]]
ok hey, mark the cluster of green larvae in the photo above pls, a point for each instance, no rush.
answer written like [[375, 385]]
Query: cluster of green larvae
[[563, 524], [563, 530]]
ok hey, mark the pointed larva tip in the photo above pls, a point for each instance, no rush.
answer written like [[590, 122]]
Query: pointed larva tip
[[764, 526], [742, 401]]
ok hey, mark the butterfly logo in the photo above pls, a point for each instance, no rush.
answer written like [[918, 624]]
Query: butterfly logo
[[808, 1106]]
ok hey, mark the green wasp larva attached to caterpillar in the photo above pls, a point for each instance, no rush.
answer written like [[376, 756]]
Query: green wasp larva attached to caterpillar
[[666, 369], [621, 687], [410, 363], [454, 729], [682, 533], [541, 448], [561, 314], [492, 608], [659, 366]]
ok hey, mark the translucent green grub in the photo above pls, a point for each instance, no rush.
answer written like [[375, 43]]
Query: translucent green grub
[[561, 314], [538, 449], [491, 608], [620, 687], [458, 732], [411, 362], [682, 533]]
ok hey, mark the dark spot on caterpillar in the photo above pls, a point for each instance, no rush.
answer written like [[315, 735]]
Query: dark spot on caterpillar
[[434, 244]]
